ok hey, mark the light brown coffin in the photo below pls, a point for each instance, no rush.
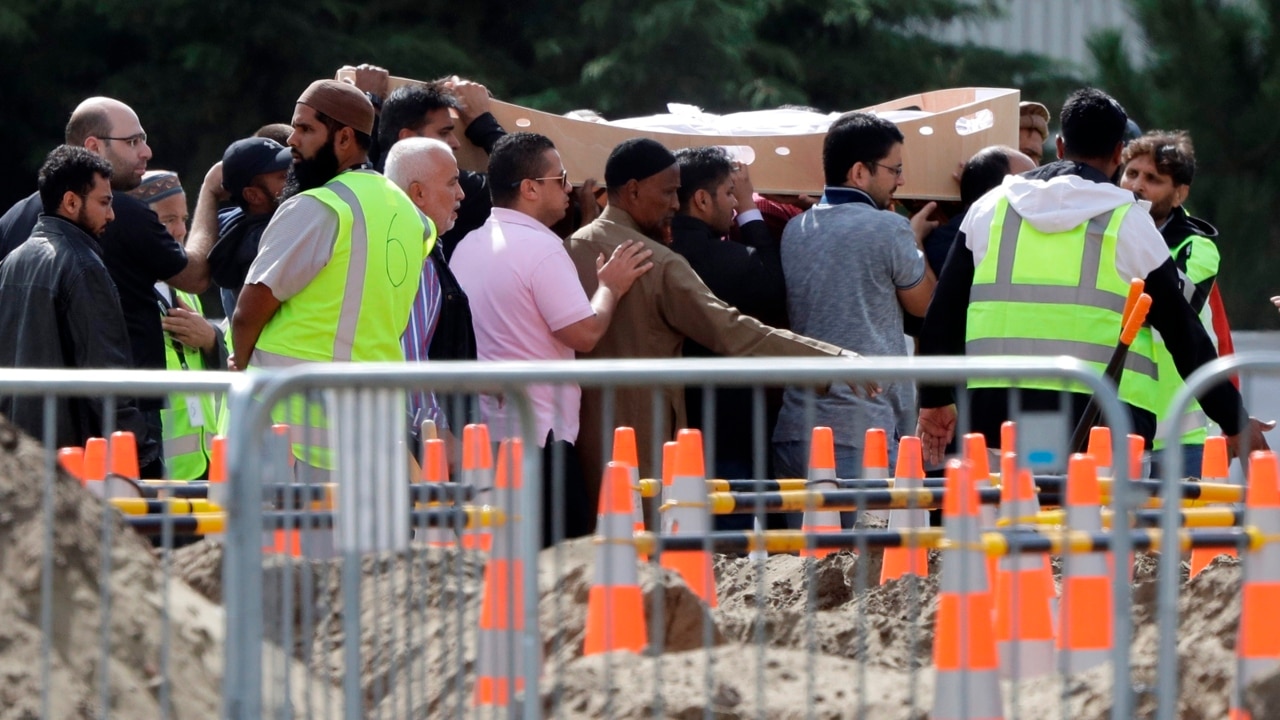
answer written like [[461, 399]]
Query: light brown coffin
[[788, 164]]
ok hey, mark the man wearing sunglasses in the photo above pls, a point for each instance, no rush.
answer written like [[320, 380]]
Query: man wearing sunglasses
[[527, 304], [136, 248]]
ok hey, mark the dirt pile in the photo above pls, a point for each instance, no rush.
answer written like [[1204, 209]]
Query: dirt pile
[[822, 638], [76, 671], [132, 669]]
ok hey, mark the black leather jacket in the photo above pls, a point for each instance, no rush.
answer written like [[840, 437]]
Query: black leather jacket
[[59, 309]]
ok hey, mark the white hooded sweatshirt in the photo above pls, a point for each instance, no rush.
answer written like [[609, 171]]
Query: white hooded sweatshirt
[[1066, 202]]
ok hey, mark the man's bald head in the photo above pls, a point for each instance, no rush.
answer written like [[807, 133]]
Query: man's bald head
[[427, 171], [96, 117], [988, 168], [111, 129]]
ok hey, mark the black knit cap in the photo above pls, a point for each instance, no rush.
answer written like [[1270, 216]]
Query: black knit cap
[[636, 159]]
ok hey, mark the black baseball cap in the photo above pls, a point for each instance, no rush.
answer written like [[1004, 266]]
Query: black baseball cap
[[248, 158]]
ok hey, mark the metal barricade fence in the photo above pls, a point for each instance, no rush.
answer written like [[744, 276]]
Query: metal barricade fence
[[95, 625], [388, 628], [1246, 366]]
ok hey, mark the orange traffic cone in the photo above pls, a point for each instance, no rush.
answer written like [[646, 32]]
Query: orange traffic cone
[[624, 451], [282, 431], [668, 463], [95, 458], [1024, 586], [72, 461], [1100, 449], [1214, 468], [615, 606], [95, 466], [124, 454], [1258, 643], [1137, 449], [217, 494], [1084, 624], [875, 455], [975, 451], [967, 685], [500, 655], [875, 463], [477, 471], [288, 540], [1008, 437], [435, 469], [686, 512], [909, 475], [822, 475]]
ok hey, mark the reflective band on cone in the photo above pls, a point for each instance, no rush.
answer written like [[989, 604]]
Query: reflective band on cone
[[500, 658], [686, 513], [1084, 624], [615, 605], [477, 471], [1258, 643], [967, 685], [975, 451], [1213, 469], [822, 475], [1024, 586], [909, 474]]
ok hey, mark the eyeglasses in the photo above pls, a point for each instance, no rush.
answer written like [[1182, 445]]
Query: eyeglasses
[[896, 169], [133, 140], [563, 177]]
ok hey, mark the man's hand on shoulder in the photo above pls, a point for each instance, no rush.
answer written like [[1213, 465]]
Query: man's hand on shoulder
[[629, 261]]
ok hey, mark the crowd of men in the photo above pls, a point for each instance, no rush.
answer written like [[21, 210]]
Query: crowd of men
[[350, 234]]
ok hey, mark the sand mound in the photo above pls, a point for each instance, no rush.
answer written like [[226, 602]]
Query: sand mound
[[820, 635], [133, 668], [135, 582]]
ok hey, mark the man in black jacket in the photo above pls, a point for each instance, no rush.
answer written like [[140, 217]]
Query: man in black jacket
[[746, 275], [58, 305], [1055, 201], [136, 249]]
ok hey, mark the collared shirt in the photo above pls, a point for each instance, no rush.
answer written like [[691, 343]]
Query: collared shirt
[[416, 341], [523, 288]]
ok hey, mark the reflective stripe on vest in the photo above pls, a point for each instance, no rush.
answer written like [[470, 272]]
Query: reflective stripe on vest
[[186, 447], [1046, 294], [1193, 426], [357, 306]]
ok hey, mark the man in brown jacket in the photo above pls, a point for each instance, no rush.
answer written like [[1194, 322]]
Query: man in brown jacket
[[665, 305]]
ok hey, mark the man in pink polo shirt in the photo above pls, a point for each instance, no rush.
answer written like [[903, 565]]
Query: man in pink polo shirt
[[528, 304]]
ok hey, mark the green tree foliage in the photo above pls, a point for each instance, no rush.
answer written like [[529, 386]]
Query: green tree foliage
[[1212, 67], [202, 73]]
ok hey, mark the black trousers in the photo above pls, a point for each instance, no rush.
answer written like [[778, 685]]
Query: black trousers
[[566, 508]]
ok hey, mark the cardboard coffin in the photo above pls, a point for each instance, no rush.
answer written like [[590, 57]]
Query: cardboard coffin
[[942, 129]]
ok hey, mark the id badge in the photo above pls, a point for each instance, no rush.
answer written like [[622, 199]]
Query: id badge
[[195, 412]]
